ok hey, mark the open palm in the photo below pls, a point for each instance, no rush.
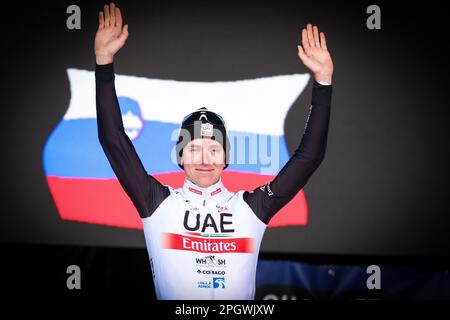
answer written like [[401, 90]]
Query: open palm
[[314, 53], [110, 36]]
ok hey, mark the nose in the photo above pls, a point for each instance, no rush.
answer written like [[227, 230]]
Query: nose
[[207, 159]]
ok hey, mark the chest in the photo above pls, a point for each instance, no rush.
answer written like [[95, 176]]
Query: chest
[[226, 218], [210, 217]]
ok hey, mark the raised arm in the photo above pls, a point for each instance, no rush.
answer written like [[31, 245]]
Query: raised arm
[[145, 192], [267, 200]]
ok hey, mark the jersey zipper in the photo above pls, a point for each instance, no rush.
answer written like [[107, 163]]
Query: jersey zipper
[[211, 278]]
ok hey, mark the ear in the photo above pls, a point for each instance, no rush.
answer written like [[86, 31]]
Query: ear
[[181, 154]]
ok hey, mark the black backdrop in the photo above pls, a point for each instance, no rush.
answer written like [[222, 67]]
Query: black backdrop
[[383, 185]]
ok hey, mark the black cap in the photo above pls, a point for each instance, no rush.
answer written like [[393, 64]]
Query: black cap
[[202, 123]]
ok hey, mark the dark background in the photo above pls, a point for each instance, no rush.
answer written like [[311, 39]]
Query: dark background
[[382, 188]]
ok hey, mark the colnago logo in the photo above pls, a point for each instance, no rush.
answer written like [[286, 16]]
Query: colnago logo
[[75, 164], [210, 261], [214, 272], [194, 242]]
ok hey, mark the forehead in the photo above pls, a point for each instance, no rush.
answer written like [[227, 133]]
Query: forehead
[[204, 143]]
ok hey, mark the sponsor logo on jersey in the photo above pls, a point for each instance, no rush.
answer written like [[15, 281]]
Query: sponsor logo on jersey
[[208, 223], [219, 282], [222, 208], [269, 191], [210, 261], [195, 191], [215, 272], [207, 245], [204, 284], [216, 191]]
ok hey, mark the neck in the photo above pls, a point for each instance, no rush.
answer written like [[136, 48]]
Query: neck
[[212, 191], [204, 187]]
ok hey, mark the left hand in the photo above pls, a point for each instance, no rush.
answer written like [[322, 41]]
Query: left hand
[[314, 54]]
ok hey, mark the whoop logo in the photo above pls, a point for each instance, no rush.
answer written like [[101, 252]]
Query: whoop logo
[[81, 180], [208, 245]]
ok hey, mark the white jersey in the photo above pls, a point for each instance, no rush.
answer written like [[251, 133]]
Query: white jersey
[[203, 244]]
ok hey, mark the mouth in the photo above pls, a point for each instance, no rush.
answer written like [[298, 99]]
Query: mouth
[[203, 170]]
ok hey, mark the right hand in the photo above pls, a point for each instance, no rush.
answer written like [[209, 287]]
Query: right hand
[[315, 55], [110, 36]]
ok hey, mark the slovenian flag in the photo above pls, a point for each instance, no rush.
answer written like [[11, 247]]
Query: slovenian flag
[[85, 188]]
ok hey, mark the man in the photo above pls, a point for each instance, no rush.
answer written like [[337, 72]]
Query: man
[[203, 241]]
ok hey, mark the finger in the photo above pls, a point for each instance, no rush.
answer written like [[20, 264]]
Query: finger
[[106, 13], [112, 14], [124, 34], [316, 37], [118, 18], [309, 30], [323, 41], [301, 53], [101, 20], [305, 42]]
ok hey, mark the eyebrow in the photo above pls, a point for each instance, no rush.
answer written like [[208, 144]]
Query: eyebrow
[[200, 147]]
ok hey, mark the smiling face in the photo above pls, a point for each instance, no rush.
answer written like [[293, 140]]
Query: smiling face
[[203, 161]]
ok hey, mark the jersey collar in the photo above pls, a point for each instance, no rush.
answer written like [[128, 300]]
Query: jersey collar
[[213, 192]]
